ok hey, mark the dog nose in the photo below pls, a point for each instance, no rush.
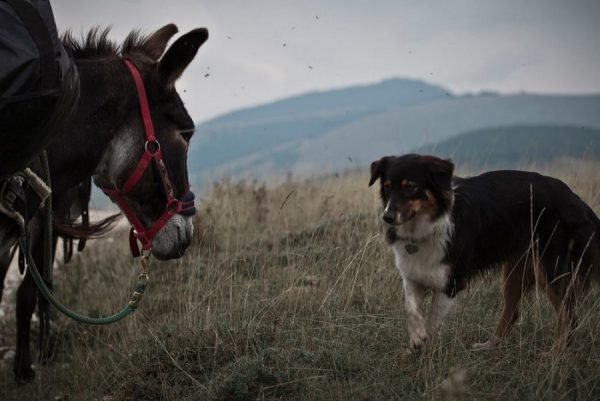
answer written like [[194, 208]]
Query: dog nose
[[389, 217]]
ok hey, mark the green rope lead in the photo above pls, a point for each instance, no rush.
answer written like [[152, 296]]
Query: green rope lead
[[49, 259], [129, 308]]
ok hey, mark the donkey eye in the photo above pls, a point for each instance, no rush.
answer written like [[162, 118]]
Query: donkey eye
[[187, 133]]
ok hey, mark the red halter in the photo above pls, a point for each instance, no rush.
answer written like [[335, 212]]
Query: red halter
[[152, 152]]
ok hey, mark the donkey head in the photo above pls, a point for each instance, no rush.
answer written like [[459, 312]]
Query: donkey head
[[159, 68]]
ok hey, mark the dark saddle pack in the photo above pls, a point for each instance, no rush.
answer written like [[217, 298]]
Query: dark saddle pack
[[39, 83]]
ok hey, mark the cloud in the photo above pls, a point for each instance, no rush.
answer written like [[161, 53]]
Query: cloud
[[467, 45]]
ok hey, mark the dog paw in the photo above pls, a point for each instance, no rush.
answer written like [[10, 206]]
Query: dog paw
[[418, 339], [489, 345]]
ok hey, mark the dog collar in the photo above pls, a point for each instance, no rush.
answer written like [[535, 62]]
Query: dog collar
[[411, 248], [411, 245]]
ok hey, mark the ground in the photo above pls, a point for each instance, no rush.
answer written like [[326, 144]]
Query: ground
[[289, 293]]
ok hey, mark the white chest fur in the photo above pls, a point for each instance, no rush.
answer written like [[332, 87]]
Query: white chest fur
[[425, 265]]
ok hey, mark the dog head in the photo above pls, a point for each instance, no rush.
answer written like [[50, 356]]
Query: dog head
[[414, 188]]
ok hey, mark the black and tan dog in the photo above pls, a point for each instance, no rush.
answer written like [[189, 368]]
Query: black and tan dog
[[445, 230]]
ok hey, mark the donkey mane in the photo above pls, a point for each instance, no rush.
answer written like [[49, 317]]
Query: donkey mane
[[95, 43]]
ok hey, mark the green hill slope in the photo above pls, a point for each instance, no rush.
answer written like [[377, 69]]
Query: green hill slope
[[518, 145], [403, 129]]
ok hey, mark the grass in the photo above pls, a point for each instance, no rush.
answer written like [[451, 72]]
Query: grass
[[289, 293]]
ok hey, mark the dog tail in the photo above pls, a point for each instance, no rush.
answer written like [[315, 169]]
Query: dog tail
[[596, 266]]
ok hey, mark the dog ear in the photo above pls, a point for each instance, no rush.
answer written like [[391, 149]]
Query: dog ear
[[377, 169], [440, 171]]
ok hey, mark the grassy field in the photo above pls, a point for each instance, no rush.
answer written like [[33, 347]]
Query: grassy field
[[289, 293]]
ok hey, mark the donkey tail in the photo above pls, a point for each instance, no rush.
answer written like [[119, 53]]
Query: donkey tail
[[96, 229]]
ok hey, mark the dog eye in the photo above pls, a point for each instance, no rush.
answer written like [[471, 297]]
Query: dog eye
[[387, 184], [410, 189]]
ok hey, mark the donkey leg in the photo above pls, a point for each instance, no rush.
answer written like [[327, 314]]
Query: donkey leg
[[515, 281], [43, 311], [26, 300], [5, 260]]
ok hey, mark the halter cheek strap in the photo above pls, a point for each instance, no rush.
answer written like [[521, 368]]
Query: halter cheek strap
[[152, 154]]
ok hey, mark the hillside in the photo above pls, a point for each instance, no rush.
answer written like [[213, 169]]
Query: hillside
[[518, 145], [403, 129], [290, 293], [271, 127], [329, 131]]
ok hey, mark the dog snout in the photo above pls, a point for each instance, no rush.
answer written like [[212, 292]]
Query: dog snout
[[389, 217]]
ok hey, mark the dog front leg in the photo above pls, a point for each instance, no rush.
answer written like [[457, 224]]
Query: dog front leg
[[414, 294], [441, 306]]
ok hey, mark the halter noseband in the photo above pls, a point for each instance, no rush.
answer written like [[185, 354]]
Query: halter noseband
[[152, 152]]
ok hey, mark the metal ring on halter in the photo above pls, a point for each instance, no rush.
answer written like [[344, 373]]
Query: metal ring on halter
[[172, 205], [146, 253], [142, 280], [154, 142]]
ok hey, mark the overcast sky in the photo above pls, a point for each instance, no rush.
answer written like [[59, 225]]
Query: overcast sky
[[263, 50]]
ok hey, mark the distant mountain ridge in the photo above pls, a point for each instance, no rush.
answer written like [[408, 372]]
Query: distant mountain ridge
[[322, 132], [240, 134], [360, 98]]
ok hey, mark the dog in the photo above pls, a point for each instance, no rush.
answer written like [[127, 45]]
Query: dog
[[445, 231]]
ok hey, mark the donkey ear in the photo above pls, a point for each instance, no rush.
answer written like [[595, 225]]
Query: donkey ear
[[377, 169], [180, 55], [440, 171], [154, 46]]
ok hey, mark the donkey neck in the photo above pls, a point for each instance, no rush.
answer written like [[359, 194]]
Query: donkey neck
[[106, 106]]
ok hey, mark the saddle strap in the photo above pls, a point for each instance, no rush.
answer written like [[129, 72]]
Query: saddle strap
[[13, 199]]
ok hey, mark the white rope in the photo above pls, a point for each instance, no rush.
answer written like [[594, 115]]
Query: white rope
[[36, 183]]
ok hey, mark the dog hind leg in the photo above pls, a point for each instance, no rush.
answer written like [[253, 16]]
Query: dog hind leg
[[516, 279], [565, 293], [570, 269]]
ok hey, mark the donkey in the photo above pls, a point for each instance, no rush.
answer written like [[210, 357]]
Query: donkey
[[107, 138]]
